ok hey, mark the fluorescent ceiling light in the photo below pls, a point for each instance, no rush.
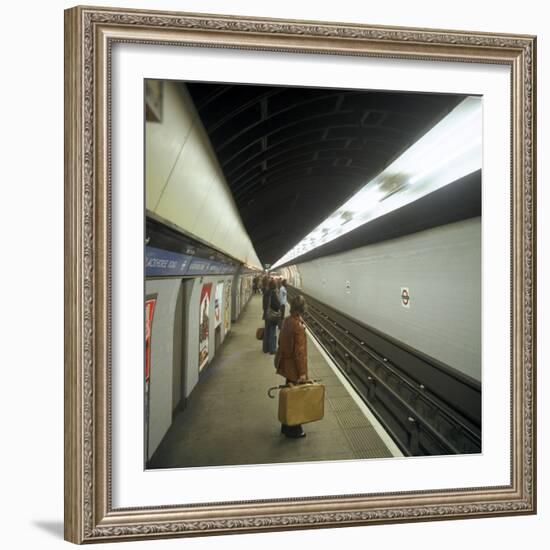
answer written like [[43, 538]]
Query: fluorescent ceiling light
[[449, 151]]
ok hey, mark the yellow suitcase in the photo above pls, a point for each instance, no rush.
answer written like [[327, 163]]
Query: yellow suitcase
[[301, 403]]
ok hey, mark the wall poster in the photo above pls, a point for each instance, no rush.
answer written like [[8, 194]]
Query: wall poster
[[241, 294], [218, 304], [203, 325], [227, 307]]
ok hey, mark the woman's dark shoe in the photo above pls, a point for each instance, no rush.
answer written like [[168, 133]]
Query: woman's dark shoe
[[297, 435], [295, 432]]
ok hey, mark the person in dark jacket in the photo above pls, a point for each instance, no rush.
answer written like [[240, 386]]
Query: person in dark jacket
[[270, 302], [265, 283], [283, 299], [292, 358], [265, 298]]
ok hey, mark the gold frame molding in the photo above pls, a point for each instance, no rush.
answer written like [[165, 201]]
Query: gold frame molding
[[89, 36]]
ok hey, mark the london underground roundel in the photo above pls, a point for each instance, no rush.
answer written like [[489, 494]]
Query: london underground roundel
[[405, 297]]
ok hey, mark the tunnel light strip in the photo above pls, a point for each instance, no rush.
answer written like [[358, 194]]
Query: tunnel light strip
[[449, 151]]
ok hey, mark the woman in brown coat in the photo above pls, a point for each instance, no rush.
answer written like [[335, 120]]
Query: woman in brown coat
[[292, 360]]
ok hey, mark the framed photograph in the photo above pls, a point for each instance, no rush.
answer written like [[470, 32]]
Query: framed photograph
[[371, 125]]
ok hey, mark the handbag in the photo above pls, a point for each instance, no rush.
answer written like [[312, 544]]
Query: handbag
[[273, 316], [260, 333]]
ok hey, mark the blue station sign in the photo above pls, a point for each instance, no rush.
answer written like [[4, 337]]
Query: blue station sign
[[163, 263]]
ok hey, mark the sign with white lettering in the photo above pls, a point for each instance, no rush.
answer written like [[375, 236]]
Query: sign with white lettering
[[162, 262], [198, 267], [159, 263]]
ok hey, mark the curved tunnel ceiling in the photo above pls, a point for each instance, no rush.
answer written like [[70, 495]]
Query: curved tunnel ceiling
[[291, 156]]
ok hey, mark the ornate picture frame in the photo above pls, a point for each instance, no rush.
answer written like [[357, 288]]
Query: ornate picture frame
[[90, 34]]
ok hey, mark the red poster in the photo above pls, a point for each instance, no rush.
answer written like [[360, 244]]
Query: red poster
[[149, 312], [204, 328], [218, 304]]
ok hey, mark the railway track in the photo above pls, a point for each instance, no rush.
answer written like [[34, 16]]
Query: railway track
[[426, 407]]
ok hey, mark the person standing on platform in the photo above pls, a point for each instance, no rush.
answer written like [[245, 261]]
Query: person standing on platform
[[265, 284], [271, 305], [283, 300], [292, 354], [265, 300]]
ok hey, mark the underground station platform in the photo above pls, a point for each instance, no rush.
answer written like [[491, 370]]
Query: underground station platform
[[230, 419]]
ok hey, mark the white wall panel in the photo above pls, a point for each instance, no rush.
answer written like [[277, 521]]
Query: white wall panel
[[162, 358], [221, 230], [442, 269], [184, 182], [192, 289], [184, 197], [192, 298], [163, 143], [213, 208]]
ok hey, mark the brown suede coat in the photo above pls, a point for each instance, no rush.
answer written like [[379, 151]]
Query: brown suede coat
[[292, 353]]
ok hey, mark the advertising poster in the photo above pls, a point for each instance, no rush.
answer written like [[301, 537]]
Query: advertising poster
[[149, 312], [227, 307], [241, 293], [218, 304], [203, 324]]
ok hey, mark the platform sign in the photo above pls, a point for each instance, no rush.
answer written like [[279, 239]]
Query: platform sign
[[218, 304], [150, 303], [198, 266], [164, 263], [204, 329], [405, 297], [167, 263]]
